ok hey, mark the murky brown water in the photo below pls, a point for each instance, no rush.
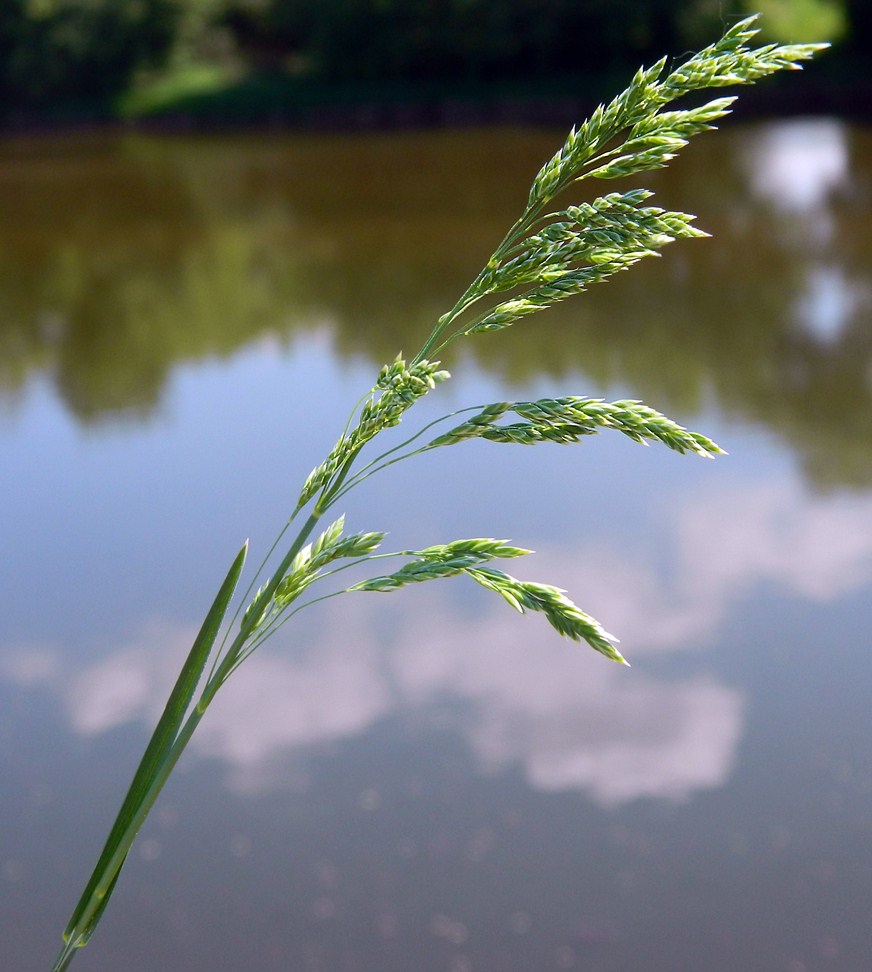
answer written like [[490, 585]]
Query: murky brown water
[[426, 782]]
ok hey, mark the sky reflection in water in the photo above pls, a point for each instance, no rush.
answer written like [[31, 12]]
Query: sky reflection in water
[[427, 781]]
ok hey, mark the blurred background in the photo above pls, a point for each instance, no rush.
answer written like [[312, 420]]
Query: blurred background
[[256, 60], [218, 218]]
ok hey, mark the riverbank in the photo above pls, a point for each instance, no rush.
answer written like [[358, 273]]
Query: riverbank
[[837, 85]]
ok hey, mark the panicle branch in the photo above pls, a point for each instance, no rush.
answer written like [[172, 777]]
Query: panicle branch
[[469, 557], [397, 389], [570, 418], [562, 614], [559, 254]]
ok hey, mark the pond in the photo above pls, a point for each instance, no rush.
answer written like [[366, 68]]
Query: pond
[[427, 781]]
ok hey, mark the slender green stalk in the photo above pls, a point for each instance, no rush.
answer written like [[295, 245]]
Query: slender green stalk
[[99, 898], [157, 761], [166, 745], [252, 618], [545, 257]]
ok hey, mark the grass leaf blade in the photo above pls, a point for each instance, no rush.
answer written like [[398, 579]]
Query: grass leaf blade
[[161, 740]]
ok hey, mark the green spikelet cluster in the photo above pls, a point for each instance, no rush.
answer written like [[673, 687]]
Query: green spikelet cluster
[[569, 419], [632, 133], [397, 389], [309, 563], [469, 557], [442, 560], [562, 614], [560, 254]]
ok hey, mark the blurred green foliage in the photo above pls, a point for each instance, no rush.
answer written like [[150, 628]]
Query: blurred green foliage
[[61, 54], [803, 21], [469, 39], [67, 52]]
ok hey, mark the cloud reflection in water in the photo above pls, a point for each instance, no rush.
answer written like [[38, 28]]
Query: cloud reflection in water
[[796, 164], [570, 720], [798, 167]]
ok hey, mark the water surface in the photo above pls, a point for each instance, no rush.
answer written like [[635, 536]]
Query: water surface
[[426, 781]]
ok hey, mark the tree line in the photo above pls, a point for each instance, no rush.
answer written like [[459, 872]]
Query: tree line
[[61, 52]]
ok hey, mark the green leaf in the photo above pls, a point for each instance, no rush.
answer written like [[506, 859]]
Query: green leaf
[[160, 743]]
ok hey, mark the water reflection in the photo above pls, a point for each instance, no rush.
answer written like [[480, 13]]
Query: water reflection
[[518, 696], [799, 166], [121, 259], [829, 303], [801, 170], [406, 776], [567, 724]]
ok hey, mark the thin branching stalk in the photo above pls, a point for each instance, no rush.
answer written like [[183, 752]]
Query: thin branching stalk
[[547, 256]]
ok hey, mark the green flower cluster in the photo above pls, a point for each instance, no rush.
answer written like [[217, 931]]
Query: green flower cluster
[[544, 258]]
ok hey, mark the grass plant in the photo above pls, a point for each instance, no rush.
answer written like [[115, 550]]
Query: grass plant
[[548, 255]]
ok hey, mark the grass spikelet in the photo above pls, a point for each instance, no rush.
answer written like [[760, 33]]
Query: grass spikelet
[[442, 560], [309, 563], [562, 614], [482, 548]]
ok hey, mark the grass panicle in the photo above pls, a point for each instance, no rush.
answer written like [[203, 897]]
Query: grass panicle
[[545, 258]]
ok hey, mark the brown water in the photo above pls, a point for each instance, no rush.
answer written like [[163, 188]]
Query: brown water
[[424, 782]]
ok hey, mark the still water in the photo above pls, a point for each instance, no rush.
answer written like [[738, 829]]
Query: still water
[[425, 782]]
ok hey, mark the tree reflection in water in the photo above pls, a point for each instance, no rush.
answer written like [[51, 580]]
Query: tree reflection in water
[[123, 258]]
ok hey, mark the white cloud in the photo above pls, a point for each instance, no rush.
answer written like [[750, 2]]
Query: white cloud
[[274, 704], [130, 684], [29, 665], [572, 720], [819, 549], [568, 718], [795, 164]]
